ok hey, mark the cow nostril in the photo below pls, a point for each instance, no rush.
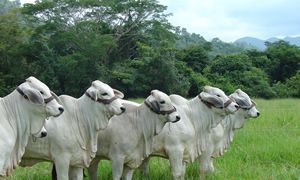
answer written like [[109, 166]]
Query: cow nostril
[[123, 109], [61, 109], [43, 134], [258, 113], [236, 106], [177, 118]]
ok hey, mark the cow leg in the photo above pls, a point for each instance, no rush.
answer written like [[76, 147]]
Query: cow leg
[[206, 164], [176, 162], [53, 172], [93, 169], [127, 173], [62, 167], [2, 159], [76, 173], [117, 167], [145, 167]]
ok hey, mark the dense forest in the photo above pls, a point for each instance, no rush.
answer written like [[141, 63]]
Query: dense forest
[[130, 45]]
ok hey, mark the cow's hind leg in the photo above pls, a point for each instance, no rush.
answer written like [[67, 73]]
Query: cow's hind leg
[[127, 173], [93, 169]]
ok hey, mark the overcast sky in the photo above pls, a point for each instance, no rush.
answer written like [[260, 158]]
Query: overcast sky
[[233, 19]]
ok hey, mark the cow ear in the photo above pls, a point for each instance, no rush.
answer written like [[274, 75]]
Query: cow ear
[[153, 102], [239, 100], [155, 105], [118, 93], [215, 100], [93, 93], [33, 95], [56, 97]]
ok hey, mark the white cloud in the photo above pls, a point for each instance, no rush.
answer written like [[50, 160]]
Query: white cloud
[[27, 1], [232, 19]]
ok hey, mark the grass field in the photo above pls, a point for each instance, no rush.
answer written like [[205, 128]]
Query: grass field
[[266, 148]]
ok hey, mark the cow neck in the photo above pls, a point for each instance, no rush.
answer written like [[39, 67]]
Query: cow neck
[[146, 122], [89, 120], [18, 120], [202, 118], [228, 124]]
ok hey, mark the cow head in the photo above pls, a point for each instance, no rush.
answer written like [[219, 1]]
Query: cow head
[[39, 101], [107, 97], [215, 98], [41, 134], [247, 107], [161, 104]]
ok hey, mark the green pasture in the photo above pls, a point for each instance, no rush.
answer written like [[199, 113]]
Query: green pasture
[[266, 148]]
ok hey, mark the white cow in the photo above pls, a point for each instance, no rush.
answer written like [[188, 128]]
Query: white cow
[[71, 142], [128, 138], [23, 113], [185, 141], [222, 135]]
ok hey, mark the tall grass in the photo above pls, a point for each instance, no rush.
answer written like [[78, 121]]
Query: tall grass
[[266, 148]]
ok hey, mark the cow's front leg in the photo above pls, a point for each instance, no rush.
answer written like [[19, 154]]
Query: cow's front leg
[[176, 162], [117, 167], [145, 167], [93, 169], [76, 173], [206, 164], [62, 166]]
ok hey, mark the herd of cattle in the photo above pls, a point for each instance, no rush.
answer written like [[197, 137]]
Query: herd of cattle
[[36, 125]]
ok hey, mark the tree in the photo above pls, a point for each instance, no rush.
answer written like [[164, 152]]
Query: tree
[[285, 60], [236, 71], [13, 66], [196, 57]]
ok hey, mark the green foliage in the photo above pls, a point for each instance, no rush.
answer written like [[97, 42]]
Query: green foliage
[[222, 48], [185, 39], [132, 46], [285, 60], [196, 57], [236, 71], [291, 88]]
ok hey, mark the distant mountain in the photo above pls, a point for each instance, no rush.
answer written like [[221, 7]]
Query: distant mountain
[[260, 44], [293, 40]]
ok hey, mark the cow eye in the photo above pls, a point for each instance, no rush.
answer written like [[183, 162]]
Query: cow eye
[[41, 92], [104, 94], [218, 95], [162, 102]]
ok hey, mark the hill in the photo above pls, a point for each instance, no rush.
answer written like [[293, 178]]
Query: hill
[[260, 44]]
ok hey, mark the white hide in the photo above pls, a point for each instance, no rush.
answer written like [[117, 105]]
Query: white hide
[[185, 141], [222, 135], [22, 116], [71, 142], [127, 141]]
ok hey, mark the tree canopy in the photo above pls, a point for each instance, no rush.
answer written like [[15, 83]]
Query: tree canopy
[[132, 46]]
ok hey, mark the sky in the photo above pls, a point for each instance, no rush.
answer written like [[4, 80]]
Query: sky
[[232, 19]]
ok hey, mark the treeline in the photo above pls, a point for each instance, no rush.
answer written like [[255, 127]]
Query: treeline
[[131, 46]]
